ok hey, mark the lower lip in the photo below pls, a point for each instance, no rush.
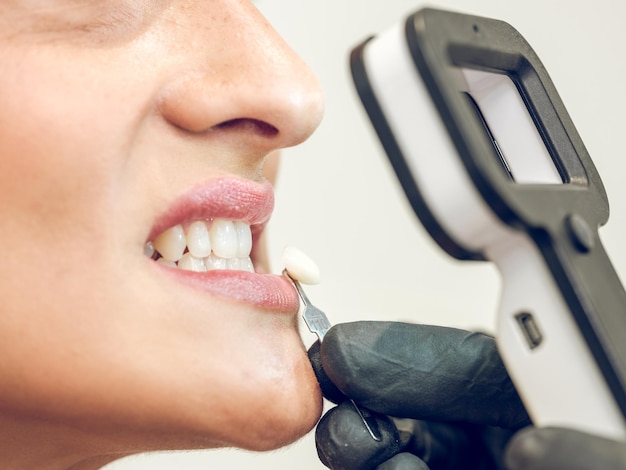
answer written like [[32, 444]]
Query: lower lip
[[267, 291]]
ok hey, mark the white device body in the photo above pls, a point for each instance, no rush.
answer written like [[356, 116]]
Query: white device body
[[558, 380]]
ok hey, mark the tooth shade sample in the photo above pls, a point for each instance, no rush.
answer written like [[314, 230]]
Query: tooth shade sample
[[191, 263], [300, 267], [244, 239], [198, 240], [171, 244], [224, 238]]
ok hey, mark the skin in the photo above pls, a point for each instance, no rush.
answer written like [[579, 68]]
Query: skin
[[108, 112]]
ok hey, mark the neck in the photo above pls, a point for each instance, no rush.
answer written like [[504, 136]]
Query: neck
[[36, 443]]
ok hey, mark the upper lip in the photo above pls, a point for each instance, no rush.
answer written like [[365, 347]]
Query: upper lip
[[226, 198]]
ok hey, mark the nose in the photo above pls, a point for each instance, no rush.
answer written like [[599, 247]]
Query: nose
[[232, 72]]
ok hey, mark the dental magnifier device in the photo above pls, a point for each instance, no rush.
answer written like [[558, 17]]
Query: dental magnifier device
[[495, 170]]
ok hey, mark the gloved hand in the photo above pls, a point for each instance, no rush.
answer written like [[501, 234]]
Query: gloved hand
[[461, 406]]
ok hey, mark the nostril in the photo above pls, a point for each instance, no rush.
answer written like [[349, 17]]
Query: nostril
[[249, 125]]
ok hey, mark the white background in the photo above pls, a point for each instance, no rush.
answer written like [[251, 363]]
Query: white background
[[338, 200]]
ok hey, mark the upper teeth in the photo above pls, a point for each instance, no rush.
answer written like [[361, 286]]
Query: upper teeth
[[204, 245]]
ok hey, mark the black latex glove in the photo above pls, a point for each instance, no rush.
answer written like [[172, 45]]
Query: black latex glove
[[455, 388]]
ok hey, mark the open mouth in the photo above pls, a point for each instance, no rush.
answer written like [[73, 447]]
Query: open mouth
[[212, 227], [204, 245], [207, 239], [215, 255]]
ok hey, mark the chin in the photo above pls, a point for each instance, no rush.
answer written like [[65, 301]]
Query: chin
[[263, 419], [286, 411], [283, 428], [257, 405]]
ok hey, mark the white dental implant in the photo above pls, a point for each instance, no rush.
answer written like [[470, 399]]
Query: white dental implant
[[300, 267]]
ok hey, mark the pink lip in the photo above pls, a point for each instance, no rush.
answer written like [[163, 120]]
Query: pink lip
[[235, 199], [268, 291], [226, 198]]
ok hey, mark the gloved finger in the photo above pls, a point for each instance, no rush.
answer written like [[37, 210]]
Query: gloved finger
[[441, 447], [563, 449], [423, 372], [403, 461], [446, 446], [343, 442], [329, 389]]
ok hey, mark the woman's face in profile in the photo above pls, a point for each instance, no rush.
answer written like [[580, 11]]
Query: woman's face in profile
[[125, 125]]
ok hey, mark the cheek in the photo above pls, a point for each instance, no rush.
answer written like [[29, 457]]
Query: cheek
[[52, 167], [56, 198], [67, 120], [62, 151], [55, 194]]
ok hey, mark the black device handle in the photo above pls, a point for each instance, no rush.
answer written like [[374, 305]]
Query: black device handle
[[594, 294]]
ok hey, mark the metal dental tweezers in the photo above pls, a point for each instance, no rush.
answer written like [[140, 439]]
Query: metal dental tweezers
[[318, 323]]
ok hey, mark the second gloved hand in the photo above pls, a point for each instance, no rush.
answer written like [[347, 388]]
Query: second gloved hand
[[450, 383], [460, 405]]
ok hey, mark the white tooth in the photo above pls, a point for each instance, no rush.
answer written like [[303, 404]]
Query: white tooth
[[214, 262], [148, 250], [300, 266], [246, 265], [244, 239], [165, 262], [191, 263], [198, 240], [233, 264], [223, 238], [171, 243]]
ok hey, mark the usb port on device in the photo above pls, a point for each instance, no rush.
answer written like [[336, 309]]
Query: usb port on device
[[529, 328]]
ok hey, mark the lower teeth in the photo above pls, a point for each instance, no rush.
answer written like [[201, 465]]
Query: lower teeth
[[210, 263]]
